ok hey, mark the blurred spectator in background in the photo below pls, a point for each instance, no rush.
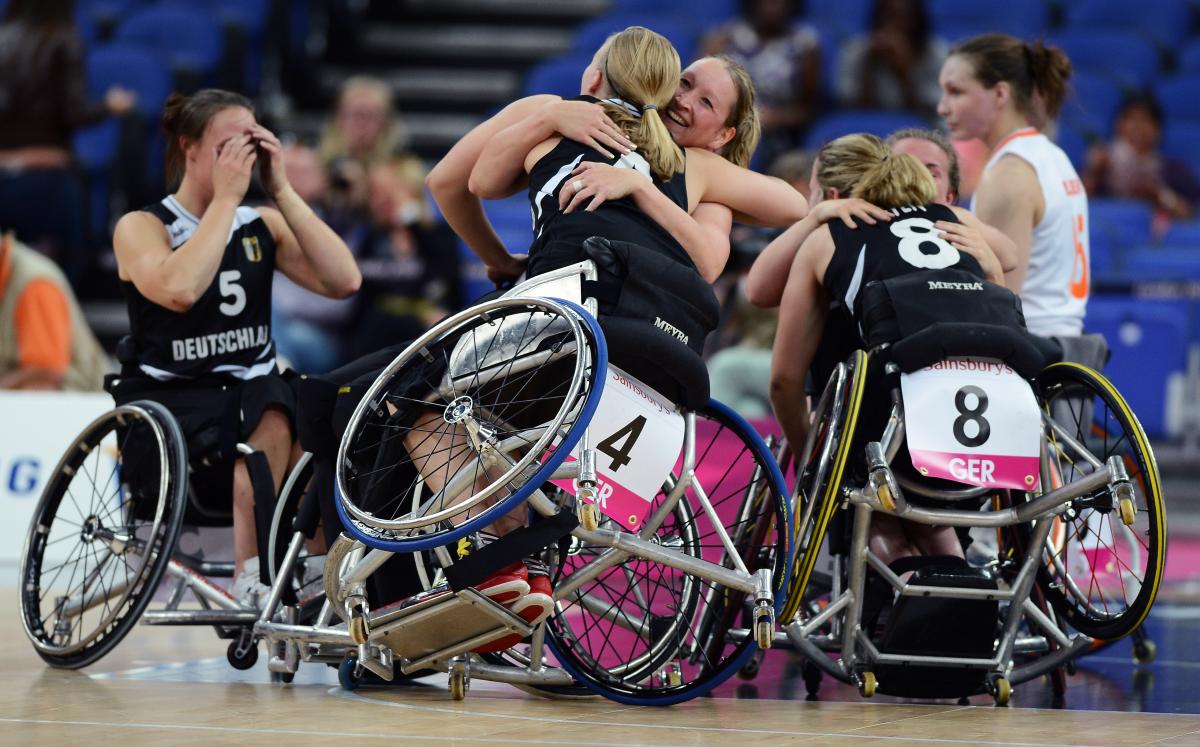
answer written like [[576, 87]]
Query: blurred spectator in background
[[740, 375], [783, 58], [44, 341], [309, 328], [795, 168], [894, 65], [43, 100], [1132, 166], [364, 132], [410, 265]]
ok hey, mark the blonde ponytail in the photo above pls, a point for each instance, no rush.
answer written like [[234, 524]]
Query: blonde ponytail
[[862, 165], [642, 70]]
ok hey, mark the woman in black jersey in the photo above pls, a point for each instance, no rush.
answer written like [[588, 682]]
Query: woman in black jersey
[[835, 262], [196, 270]]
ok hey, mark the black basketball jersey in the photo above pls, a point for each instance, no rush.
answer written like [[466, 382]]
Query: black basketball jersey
[[227, 332], [909, 243], [619, 220]]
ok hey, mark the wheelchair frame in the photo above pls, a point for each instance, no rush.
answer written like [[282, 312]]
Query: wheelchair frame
[[375, 641], [884, 492]]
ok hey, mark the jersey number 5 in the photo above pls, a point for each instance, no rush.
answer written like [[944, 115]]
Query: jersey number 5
[[912, 240], [235, 295]]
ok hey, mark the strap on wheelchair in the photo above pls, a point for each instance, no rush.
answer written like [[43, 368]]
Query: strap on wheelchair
[[509, 549], [263, 484]]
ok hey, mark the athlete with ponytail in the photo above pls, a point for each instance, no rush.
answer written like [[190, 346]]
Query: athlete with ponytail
[[196, 271], [1001, 90]]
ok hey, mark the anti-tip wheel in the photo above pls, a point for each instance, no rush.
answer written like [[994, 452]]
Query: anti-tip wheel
[[867, 686], [348, 676], [242, 656], [1128, 511], [1003, 691], [458, 685], [358, 628], [1144, 652], [589, 517], [886, 499], [764, 633]]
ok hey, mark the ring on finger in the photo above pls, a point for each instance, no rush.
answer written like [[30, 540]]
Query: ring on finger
[[577, 185]]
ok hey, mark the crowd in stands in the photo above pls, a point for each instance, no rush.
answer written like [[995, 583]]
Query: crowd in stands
[[82, 84]]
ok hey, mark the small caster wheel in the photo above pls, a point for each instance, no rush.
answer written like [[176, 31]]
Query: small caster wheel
[[1144, 651], [1002, 691], [886, 499], [283, 677], [764, 632], [459, 684], [1128, 511], [867, 685], [750, 669], [812, 678], [589, 517], [358, 627], [242, 652], [348, 675]]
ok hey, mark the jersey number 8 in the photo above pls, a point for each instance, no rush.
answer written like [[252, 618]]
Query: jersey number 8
[[913, 240]]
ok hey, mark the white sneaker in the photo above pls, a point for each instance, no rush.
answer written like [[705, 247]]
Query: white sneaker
[[246, 587]]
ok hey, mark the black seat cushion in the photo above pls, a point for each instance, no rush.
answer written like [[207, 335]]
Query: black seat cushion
[[674, 371], [937, 314]]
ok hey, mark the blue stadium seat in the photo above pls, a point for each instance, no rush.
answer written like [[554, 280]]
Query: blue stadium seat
[[1121, 225], [703, 13], [682, 33], [1074, 140], [847, 121], [560, 76], [1179, 97], [98, 18], [250, 15], [838, 20], [188, 40], [1093, 99], [1150, 262], [1122, 56], [132, 67], [1183, 235], [1187, 60], [1165, 22], [1182, 140], [1148, 340], [955, 19]]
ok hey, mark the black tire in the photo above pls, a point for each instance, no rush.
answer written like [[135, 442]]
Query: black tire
[[643, 633], [135, 512], [1108, 593], [822, 467]]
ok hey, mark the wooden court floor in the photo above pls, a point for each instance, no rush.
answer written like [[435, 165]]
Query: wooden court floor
[[172, 686]]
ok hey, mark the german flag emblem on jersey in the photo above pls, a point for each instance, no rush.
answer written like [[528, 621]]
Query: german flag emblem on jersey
[[253, 250]]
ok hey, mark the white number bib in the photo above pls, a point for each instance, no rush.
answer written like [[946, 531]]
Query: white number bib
[[637, 435], [974, 421]]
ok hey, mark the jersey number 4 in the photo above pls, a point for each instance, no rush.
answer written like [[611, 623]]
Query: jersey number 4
[[233, 293]]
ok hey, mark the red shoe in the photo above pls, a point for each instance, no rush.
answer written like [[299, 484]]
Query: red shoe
[[533, 607], [506, 585]]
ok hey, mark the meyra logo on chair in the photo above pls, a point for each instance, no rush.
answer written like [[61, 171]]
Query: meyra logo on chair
[[979, 423]]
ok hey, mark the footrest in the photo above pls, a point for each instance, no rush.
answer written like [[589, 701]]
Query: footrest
[[440, 623]]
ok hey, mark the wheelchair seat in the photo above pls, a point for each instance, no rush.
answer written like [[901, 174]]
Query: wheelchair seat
[[675, 371], [928, 317]]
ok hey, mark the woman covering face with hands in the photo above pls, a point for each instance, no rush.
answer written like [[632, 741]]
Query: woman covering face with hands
[[196, 270]]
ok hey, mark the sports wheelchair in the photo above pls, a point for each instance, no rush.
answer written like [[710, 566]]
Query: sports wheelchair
[[1080, 523], [663, 519], [107, 529]]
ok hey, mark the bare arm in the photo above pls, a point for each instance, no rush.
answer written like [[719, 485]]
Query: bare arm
[[1003, 247], [768, 275], [448, 181], [965, 238], [707, 244], [801, 323], [1010, 198], [766, 200]]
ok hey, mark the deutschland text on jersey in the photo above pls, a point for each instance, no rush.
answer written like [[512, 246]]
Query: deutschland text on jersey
[[227, 332]]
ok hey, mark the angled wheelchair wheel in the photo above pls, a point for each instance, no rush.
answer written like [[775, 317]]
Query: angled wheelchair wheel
[[103, 533], [307, 589], [640, 632], [822, 465], [468, 421], [1101, 574]]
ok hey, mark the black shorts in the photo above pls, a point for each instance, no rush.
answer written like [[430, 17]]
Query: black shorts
[[213, 415]]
